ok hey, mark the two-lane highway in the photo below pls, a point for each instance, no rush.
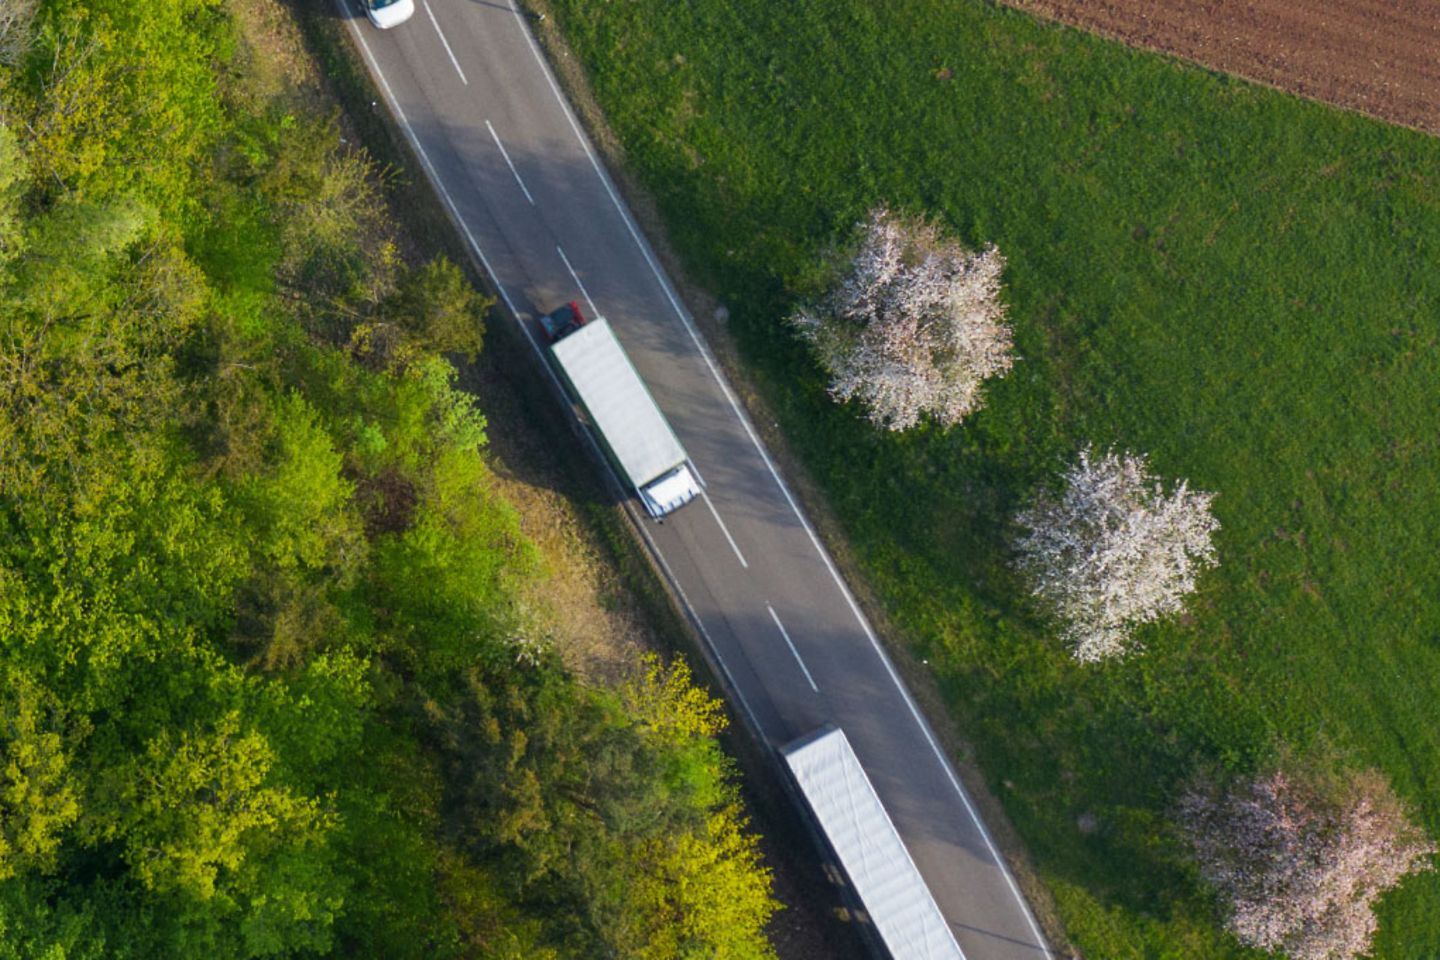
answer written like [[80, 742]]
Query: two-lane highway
[[470, 88]]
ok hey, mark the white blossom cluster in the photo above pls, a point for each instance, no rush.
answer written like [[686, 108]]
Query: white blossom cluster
[[1299, 868], [1112, 550], [913, 326]]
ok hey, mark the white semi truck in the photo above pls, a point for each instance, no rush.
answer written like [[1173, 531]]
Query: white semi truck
[[858, 830], [630, 426]]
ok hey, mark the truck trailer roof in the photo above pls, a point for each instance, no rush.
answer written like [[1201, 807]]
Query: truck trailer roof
[[597, 369], [870, 851]]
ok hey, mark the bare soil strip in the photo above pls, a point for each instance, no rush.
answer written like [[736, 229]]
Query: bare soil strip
[[1380, 57]]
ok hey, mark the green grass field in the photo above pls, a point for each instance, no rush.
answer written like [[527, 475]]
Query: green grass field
[[1240, 283]]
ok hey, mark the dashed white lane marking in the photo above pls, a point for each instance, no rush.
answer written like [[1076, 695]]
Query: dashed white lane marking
[[724, 529], [441, 34], [784, 489], [454, 211], [594, 311], [791, 644], [734, 405], [506, 154]]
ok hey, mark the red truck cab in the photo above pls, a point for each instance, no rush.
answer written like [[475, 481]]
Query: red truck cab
[[559, 323]]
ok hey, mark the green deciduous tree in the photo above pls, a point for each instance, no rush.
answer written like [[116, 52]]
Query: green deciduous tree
[[582, 800], [39, 793], [439, 309], [299, 503], [201, 823], [687, 895], [129, 103]]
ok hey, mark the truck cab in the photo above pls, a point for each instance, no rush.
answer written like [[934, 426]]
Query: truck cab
[[669, 492], [562, 321]]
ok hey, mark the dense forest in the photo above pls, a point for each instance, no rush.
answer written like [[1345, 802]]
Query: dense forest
[[271, 683]]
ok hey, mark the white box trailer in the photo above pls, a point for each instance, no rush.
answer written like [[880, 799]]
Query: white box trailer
[[859, 831], [633, 430]]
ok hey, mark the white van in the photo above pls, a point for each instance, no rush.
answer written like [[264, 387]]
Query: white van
[[388, 13]]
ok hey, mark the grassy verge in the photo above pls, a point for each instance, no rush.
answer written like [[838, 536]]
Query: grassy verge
[[1235, 281], [609, 604]]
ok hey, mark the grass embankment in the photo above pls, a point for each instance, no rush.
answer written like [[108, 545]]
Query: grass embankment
[[1240, 283]]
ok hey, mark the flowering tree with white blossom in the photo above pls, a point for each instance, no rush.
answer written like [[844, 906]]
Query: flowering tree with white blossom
[[1299, 860], [913, 325], [1113, 550]]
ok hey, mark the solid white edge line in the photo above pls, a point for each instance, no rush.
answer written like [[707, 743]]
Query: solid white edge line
[[506, 154], [594, 310], [744, 420], [630, 510], [441, 34], [809, 679], [724, 529], [764, 456]]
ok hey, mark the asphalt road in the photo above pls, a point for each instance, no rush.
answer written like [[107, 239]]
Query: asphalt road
[[468, 84]]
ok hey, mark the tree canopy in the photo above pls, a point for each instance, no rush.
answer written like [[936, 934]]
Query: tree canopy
[[259, 595]]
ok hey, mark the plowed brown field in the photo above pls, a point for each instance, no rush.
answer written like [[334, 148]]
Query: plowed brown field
[[1381, 57]]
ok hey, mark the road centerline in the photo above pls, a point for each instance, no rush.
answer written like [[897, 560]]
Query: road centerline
[[724, 529], [639, 523], [441, 34], [791, 644], [506, 154], [691, 611], [594, 310]]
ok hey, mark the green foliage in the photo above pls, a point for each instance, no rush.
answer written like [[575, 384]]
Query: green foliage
[[685, 720], [440, 309], [36, 924], [1237, 282], [580, 802], [13, 180], [691, 895], [255, 577], [199, 823], [128, 100], [455, 567], [190, 809], [298, 506], [70, 249], [327, 215], [38, 792]]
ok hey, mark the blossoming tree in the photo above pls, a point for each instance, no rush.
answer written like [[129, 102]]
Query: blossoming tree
[[1300, 860], [1113, 550], [913, 325]]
